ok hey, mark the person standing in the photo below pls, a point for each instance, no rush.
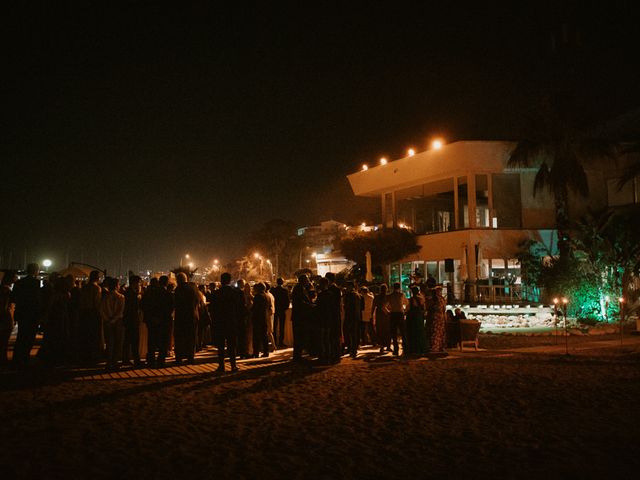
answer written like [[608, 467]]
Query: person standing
[[55, 343], [397, 306], [259, 315], [270, 314], [335, 333], [382, 323], [112, 312], [416, 335], [27, 299], [300, 315], [227, 309], [245, 336], [89, 320], [282, 301], [132, 300], [324, 305], [366, 332], [6, 315], [436, 315], [187, 301], [157, 307], [352, 306]]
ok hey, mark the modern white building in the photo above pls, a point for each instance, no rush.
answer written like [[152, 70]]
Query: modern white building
[[472, 213]]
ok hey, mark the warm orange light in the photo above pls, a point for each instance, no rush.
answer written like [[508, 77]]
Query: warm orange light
[[411, 152], [437, 144], [383, 161], [555, 301], [256, 255], [621, 299], [365, 167], [565, 301]]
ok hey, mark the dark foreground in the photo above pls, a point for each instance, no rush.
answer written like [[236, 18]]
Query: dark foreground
[[491, 414]]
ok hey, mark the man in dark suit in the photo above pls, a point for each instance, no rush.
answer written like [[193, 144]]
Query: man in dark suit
[[281, 295], [227, 306], [26, 296]]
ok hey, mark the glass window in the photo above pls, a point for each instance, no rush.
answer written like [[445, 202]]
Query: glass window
[[394, 275], [483, 219], [427, 208], [507, 202], [463, 203], [406, 276]]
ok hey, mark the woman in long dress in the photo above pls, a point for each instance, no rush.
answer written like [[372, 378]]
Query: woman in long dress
[[416, 335], [436, 316], [382, 322]]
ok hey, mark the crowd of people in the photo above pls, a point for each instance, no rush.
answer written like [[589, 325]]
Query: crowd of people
[[99, 321]]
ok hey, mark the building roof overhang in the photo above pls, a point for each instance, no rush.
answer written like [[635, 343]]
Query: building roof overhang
[[453, 159]]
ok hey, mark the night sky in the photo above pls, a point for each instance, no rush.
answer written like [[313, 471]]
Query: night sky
[[151, 132]]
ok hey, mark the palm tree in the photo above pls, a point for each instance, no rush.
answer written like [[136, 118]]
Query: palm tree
[[559, 146], [633, 170]]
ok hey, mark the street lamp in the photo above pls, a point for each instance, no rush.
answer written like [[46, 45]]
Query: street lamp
[[621, 301], [46, 263]]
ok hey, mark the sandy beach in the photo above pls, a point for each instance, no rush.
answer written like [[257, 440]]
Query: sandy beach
[[498, 413]]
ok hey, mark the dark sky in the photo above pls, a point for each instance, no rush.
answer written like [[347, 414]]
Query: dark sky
[[153, 132]]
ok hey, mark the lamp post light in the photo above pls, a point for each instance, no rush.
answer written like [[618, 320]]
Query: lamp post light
[[46, 263], [621, 301], [555, 317], [565, 303]]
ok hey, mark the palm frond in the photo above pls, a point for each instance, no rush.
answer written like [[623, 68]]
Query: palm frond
[[526, 153], [631, 172], [542, 179]]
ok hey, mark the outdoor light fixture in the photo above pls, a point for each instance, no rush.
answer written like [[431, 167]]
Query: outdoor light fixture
[[256, 255], [565, 301], [47, 263], [383, 161], [411, 152], [365, 167], [436, 144], [555, 317], [621, 300]]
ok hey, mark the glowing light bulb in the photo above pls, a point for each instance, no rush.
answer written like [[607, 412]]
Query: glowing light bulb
[[437, 144], [383, 161], [411, 152], [365, 167]]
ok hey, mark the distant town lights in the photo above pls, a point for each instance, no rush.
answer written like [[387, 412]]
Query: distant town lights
[[383, 161], [411, 152], [365, 167], [437, 144]]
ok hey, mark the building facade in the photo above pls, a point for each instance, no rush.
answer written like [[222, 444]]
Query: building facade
[[472, 213]]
